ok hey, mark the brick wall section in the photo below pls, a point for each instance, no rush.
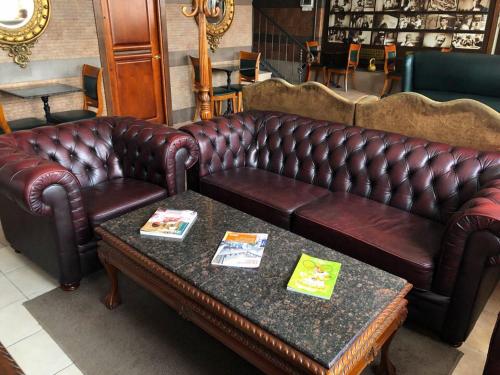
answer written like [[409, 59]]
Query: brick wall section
[[71, 33]]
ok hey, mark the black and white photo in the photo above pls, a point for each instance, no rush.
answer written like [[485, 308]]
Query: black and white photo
[[385, 21], [411, 39], [360, 37], [340, 6], [468, 41], [444, 22], [336, 36], [391, 5], [471, 22], [369, 5], [339, 20], [361, 21], [437, 40], [357, 6], [412, 5], [411, 21], [442, 5], [474, 5]]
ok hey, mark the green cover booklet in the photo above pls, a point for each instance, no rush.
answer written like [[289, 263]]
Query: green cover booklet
[[315, 277]]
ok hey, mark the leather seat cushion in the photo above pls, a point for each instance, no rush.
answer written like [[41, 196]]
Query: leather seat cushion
[[266, 195], [113, 198], [388, 238], [25, 124], [69, 116]]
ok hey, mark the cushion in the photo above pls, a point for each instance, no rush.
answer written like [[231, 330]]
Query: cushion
[[266, 195], [383, 236], [444, 96], [25, 123], [113, 198], [70, 116]]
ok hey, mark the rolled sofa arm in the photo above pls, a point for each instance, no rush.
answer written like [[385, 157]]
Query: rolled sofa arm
[[468, 268], [223, 141], [155, 153], [24, 178]]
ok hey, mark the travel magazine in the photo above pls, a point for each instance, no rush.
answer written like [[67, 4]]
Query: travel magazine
[[167, 223], [315, 277], [243, 250]]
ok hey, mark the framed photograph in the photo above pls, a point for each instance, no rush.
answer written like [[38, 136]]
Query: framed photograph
[[391, 5], [442, 5], [340, 6], [357, 6], [412, 5], [361, 37], [369, 5], [440, 22], [361, 21], [411, 39], [336, 36], [468, 41], [339, 20], [471, 22], [437, 40], [474, 5], [385, 21], [412, 21]]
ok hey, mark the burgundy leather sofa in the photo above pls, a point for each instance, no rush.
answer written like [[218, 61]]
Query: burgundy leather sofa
[[427, 212], [58, 182]]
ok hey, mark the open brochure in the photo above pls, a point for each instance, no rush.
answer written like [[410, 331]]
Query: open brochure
[[315, 277], [240, 250], [168, 223]]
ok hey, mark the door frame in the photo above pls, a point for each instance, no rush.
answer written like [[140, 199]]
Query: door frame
[[163, 44]]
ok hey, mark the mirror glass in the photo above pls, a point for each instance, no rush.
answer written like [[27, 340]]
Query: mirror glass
[[16, 13], [213, 4]]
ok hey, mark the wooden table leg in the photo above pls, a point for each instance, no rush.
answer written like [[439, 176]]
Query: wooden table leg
[[112, 299], [386, 367]]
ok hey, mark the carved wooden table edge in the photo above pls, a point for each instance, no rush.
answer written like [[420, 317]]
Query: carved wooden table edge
[[7, 364], [264, 350]]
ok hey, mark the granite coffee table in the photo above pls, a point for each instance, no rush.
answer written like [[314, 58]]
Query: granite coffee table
[[250, 310]]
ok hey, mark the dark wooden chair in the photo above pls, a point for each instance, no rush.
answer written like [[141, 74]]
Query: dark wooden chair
[[313, 60], [7, 127], [250, 62], [217, 94], [92, 97], [391, 73], [349, 68]]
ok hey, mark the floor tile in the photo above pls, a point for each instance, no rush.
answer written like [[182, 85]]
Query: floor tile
[[10, 260], [39, 355], [16, 323], [472, 362], [31, 280], [9, 293], [71, 370]]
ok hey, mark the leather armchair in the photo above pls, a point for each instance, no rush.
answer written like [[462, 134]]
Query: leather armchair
[[58, 182]]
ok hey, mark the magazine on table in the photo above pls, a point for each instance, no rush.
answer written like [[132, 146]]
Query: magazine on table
[[315, 277], [169, 223], [243, 250]]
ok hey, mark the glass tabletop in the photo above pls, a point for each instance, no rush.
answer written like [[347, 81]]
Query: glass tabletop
[[30, 92], [322, 329]]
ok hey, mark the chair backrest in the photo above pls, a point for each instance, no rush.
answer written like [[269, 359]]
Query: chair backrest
[[3, 122], [92, 88], [389, 58], [249, 60], [353, 55], [313, 47], [196, 76]]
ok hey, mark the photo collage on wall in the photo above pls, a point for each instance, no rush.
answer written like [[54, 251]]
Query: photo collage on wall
[[458, 24]]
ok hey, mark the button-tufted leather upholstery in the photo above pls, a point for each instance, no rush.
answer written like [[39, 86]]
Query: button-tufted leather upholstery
[[449, 193], [78, 161]]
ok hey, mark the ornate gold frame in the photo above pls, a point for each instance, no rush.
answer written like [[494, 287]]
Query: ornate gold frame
[[18, 42], [216, 31]]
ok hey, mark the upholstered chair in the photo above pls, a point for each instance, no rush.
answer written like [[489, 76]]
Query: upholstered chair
[[58, 182]]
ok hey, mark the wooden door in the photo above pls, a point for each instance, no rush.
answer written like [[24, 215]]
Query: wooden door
[[135, 65]]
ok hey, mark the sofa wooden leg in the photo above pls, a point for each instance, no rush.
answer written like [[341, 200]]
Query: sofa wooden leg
[[69, 287]]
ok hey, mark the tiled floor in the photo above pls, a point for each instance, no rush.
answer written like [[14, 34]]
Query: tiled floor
[[37, 354]]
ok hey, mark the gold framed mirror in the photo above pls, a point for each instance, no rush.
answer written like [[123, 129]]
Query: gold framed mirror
[[21, 23], [217, 26]]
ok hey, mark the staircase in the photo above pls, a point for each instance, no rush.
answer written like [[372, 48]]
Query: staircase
[[281, 53]]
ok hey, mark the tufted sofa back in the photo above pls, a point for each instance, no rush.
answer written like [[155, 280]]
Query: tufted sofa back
[[430, 179], [100, 149]]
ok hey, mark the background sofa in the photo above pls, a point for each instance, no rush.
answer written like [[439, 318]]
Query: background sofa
[[427, 212], [58, 182], [447, 76]]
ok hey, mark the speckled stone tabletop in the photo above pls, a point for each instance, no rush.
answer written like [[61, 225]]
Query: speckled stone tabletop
[[321, 329]]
